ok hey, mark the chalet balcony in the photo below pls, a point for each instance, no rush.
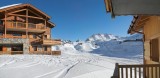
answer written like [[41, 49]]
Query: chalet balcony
[[19, 26], [46, 41], [11, 52], [137, 71], [46, 52], [51, 42]]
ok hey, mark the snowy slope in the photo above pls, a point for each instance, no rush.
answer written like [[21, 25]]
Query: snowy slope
[[81, 65], [106, 45], [93, 58]]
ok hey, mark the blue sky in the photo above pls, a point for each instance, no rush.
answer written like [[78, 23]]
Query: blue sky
[[78, 19]]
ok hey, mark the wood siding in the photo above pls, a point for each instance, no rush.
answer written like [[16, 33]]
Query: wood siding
[[27, 22], [151, 31]]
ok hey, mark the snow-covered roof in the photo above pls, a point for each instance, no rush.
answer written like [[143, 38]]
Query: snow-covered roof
[[10, 5]]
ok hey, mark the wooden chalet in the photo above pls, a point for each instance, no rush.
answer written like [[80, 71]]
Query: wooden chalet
[[24, 29], [146, 21]]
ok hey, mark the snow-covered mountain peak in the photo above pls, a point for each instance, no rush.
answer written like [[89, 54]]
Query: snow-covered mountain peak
[[102, 37]]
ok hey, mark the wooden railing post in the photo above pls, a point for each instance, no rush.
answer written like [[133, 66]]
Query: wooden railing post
[[116, 71]]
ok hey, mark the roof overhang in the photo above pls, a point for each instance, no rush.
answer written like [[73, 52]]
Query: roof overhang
[[133, 7], [51, 24], [137, 24]]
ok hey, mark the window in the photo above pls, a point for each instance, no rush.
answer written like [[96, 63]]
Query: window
[[1, 33], [17, 34], [45, 48], [17, 48], [45, 36], [34, 36], [1, 22], [0, 48], [154, 50], [34, 48]]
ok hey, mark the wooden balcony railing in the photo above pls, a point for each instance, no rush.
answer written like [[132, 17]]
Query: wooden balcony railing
[[51, 42], [137, 71], [24, 25], [13, 36], [15, 25], [11, 52], [35, 26], [46, 52]]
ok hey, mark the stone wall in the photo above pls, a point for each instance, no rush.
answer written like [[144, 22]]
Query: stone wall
[[25, 43]]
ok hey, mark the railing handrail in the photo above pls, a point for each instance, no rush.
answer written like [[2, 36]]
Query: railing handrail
[[138, 71], [33, 26], [141, 65]]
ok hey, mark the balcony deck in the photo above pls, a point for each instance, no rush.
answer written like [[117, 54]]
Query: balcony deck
[[11, 52], [19, 26], [33, 52], [46, 52], [51, 42]]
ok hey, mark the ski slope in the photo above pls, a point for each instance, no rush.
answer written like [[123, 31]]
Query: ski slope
[[93, 58]]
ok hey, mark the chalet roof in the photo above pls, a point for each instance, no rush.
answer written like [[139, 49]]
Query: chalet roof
[[52, 24], [20, 5], [137, 24], [13, 6], [133, 7]]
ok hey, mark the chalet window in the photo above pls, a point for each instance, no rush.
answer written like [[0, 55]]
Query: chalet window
[[45, 48], [154, 53], [17, 48], [17, 34], [1, 22], [34, 48], [1, 33], [0, 48], [34, 36], [45, 36]]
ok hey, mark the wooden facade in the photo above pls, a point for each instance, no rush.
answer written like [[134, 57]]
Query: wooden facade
[[150, 27], [24, 21]]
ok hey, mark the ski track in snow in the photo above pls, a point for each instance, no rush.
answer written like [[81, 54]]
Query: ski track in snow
[[83, 65], [64, 71]]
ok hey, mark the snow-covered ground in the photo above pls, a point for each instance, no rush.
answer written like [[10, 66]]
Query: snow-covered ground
[[93, 58], [79, 65]]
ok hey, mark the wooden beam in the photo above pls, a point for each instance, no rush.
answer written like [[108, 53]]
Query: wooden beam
[[27, 23], [25, 16], [108, 6], [46, 23], [5, 32], [144, 19], [34, 13], [18, 11]]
